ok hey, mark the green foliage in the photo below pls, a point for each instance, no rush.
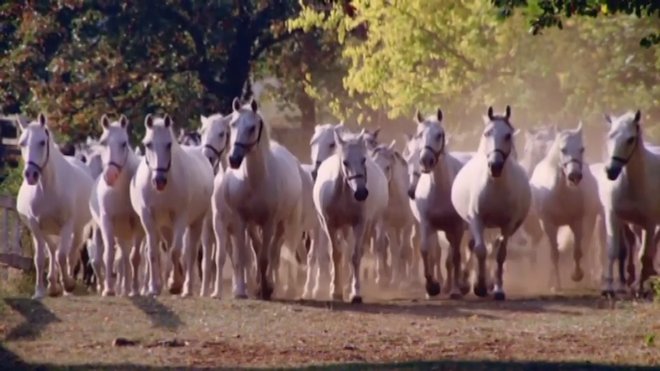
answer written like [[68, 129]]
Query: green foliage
[[76, 60], [462, 57], [549, 13]]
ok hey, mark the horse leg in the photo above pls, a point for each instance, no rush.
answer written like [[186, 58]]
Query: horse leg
[[39, 259], [175, 282], [207, 257], [360, 233], [337, 287], [190, 252], [551, 232], [500, 247], [578, 237], [630, 240], [124, 262], [95, 251], [251, 268], [107, 234], [381, 245], [427, 233], [239, 246], [135, 265], [66, 242], [153, 252], [416, 253], [312, 268], [647, 257], [266, 259], [480, 252], [221, 243], [454, 236], [613, 230]]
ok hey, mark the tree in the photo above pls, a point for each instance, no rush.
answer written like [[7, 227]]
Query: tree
[[76, 59], [462, 57], [547, 13]]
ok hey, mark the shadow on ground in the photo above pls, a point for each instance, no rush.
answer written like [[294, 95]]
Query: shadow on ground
[[159, 314], [36, 318]]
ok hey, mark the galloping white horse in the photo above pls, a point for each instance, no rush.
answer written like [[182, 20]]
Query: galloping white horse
[[111, 208], [52, 201], [565, 193], [262, 187], [630, 195], [169, 172], [432, 202], [350, 191], [492, 191], [398, 217]]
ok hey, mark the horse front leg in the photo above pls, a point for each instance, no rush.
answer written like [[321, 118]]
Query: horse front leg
[[613, 230], [479, 251], [153, 252], [550, 230], [207, 257], [500, 248], [190, 253], [426, 236], [63, 252], [108, 236], [360, 232], [135, 264], [455, 237], [265, 267], [175, 281], [578, 237], [647, 257], [39, 242], [239, 246]]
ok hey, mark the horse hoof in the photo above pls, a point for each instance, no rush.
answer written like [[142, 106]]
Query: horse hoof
[[455, 296], [356, 300], [133, 294], [108, 293], [186, 294], [39, 294], [337, 297], [432, 288], [499, 296], [465, 289], [239, 295], [607, 293], [577, 276], [54, 290], [480, 290], [267, 293], [175, 290]]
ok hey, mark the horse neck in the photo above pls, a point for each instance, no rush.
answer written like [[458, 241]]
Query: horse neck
[[636, 166], [255, 163], [132, 163], [441, 176], [398, 185], [49, 172]]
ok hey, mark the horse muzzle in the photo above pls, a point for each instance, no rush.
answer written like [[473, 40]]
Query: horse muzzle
[[495, 168], [361, 194], [574, 178], [110, 175], [160, 181], [31, 175], [427, 162], [411, 193], [612, 171]]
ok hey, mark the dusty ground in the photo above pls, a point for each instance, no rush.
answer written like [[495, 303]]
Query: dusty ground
[[169, 331]]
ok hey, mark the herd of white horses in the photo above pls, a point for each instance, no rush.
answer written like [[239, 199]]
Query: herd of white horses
[[235, 191]]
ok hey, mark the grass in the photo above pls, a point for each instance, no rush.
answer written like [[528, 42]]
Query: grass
[[555, 332]]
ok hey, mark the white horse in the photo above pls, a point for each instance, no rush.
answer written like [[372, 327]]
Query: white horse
[[492, 191], [171, 172], [371, 138], [111, 208], [432, 203], [262, 187], [398, 217], [52, 201], [350, 191], [630, 194], [565, 193]]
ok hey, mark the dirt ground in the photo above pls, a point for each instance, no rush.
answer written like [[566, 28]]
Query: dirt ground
[[577, 326]]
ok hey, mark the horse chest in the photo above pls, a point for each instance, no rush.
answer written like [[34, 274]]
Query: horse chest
[[494, 207], [343, 213]]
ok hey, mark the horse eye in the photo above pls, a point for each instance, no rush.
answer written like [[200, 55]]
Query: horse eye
[[630, 140], [439, 137], [251, 130], [507, 137], [345, 163], [332, 145], [563, 150], [582, 150], [364, 161], [148, 145], [124, 144], [169, 146], [42, 143], [221, 135], [103, 142]]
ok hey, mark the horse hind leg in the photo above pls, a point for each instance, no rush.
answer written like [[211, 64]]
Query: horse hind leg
[[551, 232], [578, 238], [647, 257]]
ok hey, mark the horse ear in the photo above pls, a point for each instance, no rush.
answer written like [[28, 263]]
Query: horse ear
[[42, 119], [236, 104], [362, 133], [203, 119], [123, 121], [254, 105], [579, 127], [407, 137], [391, 146], [340, 125], [21, 123], [638, 116], [447, 139], [149, 121], [418, 117], [338, 139], [516, 132], [485, 119], [490, 112], [439, 114], [105, 121], [376, 132], [508, 112], [608, 119], [167, 121]]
